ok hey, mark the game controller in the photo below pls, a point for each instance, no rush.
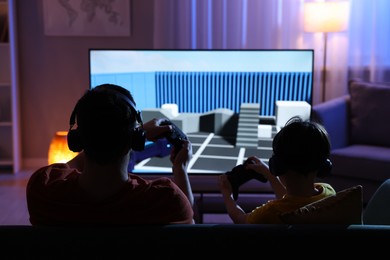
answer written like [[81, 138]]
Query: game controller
[[239, 175], [176, 136]]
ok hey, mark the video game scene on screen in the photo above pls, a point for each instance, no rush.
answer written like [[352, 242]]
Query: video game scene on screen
[[229, 103], [212, 154], [217, 147]]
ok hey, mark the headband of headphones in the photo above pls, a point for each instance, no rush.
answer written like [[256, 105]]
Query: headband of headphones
[[131, 104]]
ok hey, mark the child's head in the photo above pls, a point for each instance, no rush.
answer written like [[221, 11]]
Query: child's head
[[302, 147]]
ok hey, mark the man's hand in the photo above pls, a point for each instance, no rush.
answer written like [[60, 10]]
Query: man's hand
[[154, 130], [180, 160], [182, 157]]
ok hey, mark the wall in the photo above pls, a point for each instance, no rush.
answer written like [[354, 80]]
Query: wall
[[53, 72]]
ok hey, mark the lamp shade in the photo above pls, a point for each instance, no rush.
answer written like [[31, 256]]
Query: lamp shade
[[59, 151], [326, 16]]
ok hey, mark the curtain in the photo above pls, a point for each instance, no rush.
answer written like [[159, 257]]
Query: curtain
[[369, 40], [360, 52]]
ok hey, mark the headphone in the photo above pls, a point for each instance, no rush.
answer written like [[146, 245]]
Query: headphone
[[138, 135], [285, 158], [278, 166]]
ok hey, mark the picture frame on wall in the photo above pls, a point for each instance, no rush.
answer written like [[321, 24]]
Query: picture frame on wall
[[86, 17]]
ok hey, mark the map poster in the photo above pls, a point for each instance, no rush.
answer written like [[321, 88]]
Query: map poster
[[86, 17]]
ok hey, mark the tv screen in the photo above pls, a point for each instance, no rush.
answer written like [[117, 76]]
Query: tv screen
[[226, 101]]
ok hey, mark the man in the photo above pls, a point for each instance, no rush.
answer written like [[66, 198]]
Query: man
[[95, 188]]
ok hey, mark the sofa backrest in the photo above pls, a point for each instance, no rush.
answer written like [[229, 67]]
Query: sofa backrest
[[369, 112], [334, 115], [195, 241]]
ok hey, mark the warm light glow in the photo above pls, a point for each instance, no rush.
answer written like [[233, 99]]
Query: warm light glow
[[326, 16], [59, 151]]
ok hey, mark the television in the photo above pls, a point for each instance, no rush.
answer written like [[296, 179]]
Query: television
[[209, 94]]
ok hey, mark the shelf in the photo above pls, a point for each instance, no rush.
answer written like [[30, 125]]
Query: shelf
[[10, 154], [6, 162]]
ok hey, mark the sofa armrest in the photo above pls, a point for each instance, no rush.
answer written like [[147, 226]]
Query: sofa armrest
[[334, 115]]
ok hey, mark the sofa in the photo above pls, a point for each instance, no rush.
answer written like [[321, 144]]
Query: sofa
[[359, 128], [336, 218], [377, 211], [333, 225], [199, 241]]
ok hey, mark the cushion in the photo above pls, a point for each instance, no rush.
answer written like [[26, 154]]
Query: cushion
[[344, 208], [370, 117], [377, 211]]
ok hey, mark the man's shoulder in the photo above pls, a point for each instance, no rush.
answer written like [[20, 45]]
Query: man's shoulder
[[52, 167], [159, 183], [48, 173]]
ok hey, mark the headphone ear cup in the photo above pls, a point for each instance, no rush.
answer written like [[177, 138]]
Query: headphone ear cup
[[74, 141], [138, 138], [325, 169], [276, 166]]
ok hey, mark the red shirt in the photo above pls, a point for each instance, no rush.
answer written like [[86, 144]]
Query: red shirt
[[54, 197]]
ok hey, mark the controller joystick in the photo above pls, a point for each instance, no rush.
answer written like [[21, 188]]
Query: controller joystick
[[239, 175]]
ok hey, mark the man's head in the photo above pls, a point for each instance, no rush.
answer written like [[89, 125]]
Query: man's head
[[106, 120], [301, 146]]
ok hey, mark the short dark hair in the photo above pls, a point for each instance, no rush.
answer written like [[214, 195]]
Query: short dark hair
[[302, 146], [105, 122]]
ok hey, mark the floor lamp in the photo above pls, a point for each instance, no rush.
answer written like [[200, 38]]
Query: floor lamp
[[325, 17]]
